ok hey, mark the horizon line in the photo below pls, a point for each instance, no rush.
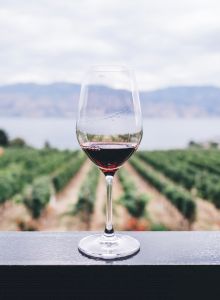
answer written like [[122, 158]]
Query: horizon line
[[140, 89]]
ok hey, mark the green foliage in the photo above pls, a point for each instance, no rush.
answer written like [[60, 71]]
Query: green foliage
[[30, 175], [62, 176], [37, 195], [11, 181], [179, 198], [179, 171], [20, 167], [87, 193], [5, 188], [209, 188], [17, 142], [29, 158], [159, 227], [131, 199], [197, 169], [3, 138]]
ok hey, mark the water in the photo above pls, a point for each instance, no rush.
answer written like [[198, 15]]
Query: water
[[158, 133]]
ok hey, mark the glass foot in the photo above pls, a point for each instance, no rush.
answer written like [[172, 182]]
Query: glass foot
[[109, 247]]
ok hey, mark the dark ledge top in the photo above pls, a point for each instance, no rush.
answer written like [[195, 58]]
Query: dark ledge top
[[157, 248]]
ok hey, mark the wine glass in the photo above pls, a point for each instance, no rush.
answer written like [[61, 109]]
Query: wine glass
[[109, 130]]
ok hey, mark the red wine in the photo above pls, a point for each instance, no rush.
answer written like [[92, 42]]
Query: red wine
[[108, 156]]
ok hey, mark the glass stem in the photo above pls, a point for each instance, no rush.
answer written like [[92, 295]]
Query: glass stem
[[109, 231]]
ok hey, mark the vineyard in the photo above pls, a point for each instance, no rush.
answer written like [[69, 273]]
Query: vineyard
[[62, 190]]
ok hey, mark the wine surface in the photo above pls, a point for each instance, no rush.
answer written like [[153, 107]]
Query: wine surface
[[108, 156]]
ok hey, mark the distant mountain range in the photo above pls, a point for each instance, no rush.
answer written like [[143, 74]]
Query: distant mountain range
[[61, 100]]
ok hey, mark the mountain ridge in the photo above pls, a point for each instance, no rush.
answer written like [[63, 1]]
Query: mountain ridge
[[60, 99]]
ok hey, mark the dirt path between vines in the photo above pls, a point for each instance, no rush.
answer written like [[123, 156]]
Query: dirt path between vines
[[12, 214], [119, 212], [54, 217], [159, 209], [207, 215]]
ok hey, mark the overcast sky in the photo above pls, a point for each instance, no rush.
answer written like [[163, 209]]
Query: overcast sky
[[167, 42]]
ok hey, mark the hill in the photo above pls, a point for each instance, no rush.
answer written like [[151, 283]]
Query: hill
[[61, 100]]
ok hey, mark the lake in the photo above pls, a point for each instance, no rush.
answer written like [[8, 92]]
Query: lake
[[158, 133]]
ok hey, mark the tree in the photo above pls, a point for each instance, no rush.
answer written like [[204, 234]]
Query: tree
[[3, 138], [17, 142], [47, 145], [194, 144], [214, 145]]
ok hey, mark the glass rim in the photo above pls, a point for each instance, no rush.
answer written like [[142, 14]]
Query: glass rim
[[109, 68]]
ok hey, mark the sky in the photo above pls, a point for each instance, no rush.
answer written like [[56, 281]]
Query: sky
[[166, 42]]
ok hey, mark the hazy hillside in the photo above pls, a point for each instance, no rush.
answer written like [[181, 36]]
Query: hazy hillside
[[182, 102], [61, 100]]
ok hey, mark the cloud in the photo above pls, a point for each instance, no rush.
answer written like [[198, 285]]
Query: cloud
[[167, 42]]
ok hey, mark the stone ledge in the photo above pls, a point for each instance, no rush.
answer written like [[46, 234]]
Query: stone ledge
[[170, 265], [157, 248]]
